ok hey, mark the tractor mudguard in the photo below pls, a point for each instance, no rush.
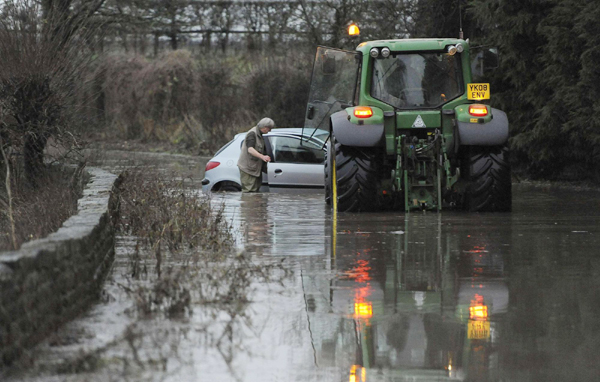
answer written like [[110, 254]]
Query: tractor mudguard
[[493, 133], [349, 134]]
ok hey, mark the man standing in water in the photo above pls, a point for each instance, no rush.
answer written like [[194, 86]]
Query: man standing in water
[[252, 157]]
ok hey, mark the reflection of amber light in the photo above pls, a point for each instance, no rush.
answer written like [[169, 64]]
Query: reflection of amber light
[[363, 309], [361, 294], [354, 375], [360, 273], [449, 367], [478, 311]]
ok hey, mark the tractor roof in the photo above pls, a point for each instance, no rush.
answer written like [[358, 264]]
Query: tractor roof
[[401, 45]]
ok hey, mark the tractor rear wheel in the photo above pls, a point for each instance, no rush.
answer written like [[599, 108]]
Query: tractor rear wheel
[[487, 171], [357, 179]]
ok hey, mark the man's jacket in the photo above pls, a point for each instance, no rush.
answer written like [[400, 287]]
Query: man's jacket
[[250, 164]]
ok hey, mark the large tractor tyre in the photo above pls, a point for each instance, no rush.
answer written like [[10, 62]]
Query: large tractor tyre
[[488, 176], [357, 180], [328, 176]]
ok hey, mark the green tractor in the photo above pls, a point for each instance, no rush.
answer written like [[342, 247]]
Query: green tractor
[[408, 127]]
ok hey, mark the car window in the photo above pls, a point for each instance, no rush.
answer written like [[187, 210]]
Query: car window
[[290, 150], [224, 147], [318, 134]]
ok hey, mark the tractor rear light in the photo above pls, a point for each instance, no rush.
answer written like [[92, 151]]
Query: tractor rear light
[[363, 112], [374, 52], [451, 50], [210, 165], [385, 52], [478, 110]]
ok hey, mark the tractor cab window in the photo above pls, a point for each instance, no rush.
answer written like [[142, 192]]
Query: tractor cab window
[[417, 80], [332, 87]]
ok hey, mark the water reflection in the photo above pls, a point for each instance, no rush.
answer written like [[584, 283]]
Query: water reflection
[[418, 302], [277, 224], [451, 296]]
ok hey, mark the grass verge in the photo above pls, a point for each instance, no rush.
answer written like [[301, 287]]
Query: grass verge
[[183, 264], [34, 217]]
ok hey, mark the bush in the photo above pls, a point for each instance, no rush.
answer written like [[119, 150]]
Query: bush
[[198, 103], [115, 82], [184, 250], [280, 91]]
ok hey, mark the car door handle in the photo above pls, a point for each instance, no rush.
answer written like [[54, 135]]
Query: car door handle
[[278, 171]]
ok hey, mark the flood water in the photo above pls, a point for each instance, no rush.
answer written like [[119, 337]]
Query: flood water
[[400, 297], [427, 296]]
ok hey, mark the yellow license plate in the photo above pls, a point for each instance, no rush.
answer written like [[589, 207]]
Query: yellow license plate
[[477, 92], [479, 330]]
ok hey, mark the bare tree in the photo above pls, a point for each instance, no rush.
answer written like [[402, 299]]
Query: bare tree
[[63, 18], [40, 59]]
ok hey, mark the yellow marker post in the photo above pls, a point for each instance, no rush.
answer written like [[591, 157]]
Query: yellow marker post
[[334, 187], [334, 204]]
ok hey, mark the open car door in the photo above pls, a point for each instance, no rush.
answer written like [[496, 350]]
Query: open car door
[[296, 163], [333, 85]]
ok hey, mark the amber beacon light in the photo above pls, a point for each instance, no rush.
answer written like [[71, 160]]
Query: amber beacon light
[[353, 30]]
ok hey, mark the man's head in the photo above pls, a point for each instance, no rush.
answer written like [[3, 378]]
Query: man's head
[[265, 125]]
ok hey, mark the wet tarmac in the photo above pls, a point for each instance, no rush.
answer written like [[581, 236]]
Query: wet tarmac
[[384, 297]]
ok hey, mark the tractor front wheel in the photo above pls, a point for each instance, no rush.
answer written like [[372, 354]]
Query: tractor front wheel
[[487, 172]]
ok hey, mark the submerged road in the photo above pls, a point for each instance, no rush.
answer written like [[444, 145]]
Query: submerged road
[[374, 297], [426, 296]]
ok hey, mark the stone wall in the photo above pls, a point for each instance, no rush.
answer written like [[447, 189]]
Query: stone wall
[[49, 281]]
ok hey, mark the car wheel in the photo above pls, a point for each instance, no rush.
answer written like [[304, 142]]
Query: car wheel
[[228, 187]]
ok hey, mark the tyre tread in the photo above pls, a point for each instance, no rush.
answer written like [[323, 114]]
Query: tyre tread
[[489, 176], [357, 178]]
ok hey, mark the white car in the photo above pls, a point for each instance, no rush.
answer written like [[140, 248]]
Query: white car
[[297, 160]]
